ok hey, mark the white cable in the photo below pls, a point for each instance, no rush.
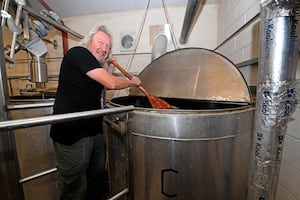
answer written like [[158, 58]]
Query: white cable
[[138, 37], [170, 25]]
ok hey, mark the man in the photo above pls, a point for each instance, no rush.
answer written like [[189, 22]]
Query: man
[[79, 145]]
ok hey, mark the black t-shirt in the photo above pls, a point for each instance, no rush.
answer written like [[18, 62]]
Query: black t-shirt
[[77, 92]]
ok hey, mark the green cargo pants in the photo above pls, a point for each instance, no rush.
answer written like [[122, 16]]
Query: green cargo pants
[[81, 169]]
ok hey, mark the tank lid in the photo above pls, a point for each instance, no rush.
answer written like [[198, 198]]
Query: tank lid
[[194, 73]]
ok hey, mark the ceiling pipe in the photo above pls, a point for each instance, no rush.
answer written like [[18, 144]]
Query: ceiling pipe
[[191, 15], [63, 33], [159, 46], [46, 19]]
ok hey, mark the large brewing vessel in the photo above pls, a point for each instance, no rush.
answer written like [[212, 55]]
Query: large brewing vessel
[[198, 150]]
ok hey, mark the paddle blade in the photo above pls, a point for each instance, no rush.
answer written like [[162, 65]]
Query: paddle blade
[[158, 103]]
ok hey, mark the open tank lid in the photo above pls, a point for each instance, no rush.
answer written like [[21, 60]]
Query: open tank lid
[[194, 73]]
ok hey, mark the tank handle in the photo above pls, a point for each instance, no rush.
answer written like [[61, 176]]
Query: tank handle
[[163, 181]]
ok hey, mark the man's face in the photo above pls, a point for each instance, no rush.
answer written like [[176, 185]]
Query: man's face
[[100, 46]]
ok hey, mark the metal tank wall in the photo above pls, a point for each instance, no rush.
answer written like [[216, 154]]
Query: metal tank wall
[[200, 152], [180, 155]]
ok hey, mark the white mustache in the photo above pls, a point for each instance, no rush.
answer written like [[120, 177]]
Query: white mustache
[[103, 53]]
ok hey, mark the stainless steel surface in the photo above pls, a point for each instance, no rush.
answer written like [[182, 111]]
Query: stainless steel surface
[[52, 22], [34, 148], [35, 154], [26, 152], [38, 50], [20, 4], [200, 152], [159, 46], [30, 104], [36, 121], [9, 167], [120, 194], [276, 93], [35, 45], [38, 70], [194, 73], [192, 12], [5, 4], [118, 152], [179, 154], [189, 156]]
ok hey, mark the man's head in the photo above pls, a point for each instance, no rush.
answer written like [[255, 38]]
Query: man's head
[[98, 41]]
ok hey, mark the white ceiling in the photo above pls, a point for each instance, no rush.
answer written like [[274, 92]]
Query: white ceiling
[[67, 8]]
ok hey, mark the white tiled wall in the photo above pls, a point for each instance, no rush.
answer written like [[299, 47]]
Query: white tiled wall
[[289, 179], [242, 46], [232, 16]]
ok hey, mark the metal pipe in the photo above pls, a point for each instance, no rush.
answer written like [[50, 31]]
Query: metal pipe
[[9, 166], [52, 22], [275, 97], [64, 34], [5, 5], [21, 3], [29, 178], [191, 15], [119, 195], [38, 70], [3, 82], [29, 105], [159, 46], [36, 121]]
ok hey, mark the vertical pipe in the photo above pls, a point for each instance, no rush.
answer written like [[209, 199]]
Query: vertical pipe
[[5, 5], [192, 12], [21, 3], [10, 189], [159, 46], [275, 98]]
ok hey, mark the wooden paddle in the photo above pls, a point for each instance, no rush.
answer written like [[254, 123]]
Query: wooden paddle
[[154, 101]]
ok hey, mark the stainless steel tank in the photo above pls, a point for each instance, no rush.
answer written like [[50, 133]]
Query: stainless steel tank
[[198, 150]]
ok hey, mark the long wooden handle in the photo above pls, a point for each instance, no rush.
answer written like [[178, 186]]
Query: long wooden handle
[[121, 69], [154, 101], [129, 76]]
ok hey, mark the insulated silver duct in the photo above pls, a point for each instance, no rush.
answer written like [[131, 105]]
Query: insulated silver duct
[[191, 15], [275, 98], [159, 46]]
